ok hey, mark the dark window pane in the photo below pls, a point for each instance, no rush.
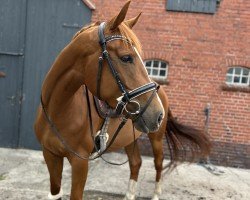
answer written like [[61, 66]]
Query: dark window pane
[[148, 63], [155, 72], [238, 71], [229, 79], [156, 64], [162, 72], [202, 6], [149, 71], [245, 72], [236, 79], [230, 71], [244, 80], [163, 65]]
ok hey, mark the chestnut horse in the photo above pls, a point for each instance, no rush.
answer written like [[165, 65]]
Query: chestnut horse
[[103, 58]]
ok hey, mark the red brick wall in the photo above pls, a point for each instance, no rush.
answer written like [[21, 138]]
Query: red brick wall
[[199, 49]]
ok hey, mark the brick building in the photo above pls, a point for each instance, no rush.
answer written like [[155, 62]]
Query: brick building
[[205, 52]]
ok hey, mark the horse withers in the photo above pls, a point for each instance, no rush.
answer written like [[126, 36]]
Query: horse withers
[[103, 58]]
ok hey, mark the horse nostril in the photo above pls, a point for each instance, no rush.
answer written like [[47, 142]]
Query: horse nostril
[[160, 118]]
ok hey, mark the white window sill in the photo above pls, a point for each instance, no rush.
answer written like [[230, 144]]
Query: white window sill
[[161, 81], [235, 88]]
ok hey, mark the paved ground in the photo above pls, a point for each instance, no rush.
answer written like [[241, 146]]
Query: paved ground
[[23, 176]]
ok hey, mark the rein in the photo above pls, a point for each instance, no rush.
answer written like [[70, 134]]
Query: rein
[[124, 120], [126, 98], [68, 148]]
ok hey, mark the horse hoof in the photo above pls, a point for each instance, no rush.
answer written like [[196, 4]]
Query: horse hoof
[[132, 197], [155, 197], [125, 198], [57, 196]]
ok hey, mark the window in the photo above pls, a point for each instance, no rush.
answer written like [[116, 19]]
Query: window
[[238, 76], [199, 6], [157, 69]]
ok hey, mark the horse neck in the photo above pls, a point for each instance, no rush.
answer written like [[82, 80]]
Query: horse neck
[[62, 81]]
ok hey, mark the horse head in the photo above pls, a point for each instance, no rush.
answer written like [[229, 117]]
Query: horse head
[[115, 73]]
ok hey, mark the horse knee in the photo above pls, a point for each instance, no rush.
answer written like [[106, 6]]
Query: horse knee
[[158, 163], [158, 168], [135, 166]]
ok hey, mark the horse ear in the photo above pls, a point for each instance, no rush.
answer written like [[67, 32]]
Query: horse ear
[[116, 21], [131, 22]]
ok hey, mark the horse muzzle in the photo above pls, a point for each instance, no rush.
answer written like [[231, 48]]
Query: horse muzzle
[[149, 123]]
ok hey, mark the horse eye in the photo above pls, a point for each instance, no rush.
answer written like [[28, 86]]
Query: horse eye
[[126, 59]]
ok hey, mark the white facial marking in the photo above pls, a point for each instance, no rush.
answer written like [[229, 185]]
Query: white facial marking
[[161, 104], [137, 53], [147, 73]]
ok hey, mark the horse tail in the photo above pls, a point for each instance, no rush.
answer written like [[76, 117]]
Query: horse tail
[[185, 143]]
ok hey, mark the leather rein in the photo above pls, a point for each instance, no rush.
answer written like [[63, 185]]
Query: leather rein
[[121, 110]]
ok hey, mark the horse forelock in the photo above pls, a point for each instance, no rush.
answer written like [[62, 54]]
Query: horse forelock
[[130, 35]]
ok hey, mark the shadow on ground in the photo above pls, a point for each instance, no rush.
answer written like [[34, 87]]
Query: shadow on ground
[[96, 195]]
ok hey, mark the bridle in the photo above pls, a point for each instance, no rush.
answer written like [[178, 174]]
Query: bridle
[[127, 96]]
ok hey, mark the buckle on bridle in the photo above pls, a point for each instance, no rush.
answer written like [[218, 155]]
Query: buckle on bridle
[[105, 53], [100, 59], [135, 112]]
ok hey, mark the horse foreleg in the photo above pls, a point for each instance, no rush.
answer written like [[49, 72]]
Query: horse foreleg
[[79, 177], [55, 167], [156, 141], [134, 157]]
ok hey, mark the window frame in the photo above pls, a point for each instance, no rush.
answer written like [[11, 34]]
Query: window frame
[[158, 77], [193, 6], [240, 76]]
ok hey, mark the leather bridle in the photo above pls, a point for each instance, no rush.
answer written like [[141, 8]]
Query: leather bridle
[[127, 96]]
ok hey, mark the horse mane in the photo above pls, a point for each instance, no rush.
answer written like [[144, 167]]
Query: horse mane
[[124, 31], [85, 28]]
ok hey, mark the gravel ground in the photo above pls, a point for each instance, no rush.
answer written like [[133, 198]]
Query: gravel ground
[[95, 195], [23, 176]]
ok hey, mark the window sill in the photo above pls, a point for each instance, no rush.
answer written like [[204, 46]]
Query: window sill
[[161, 81], [235, 88]]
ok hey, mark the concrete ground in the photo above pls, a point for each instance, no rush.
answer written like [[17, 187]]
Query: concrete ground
[[24, 176]]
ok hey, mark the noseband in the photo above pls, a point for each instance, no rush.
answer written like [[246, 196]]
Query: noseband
[[127, 96]]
